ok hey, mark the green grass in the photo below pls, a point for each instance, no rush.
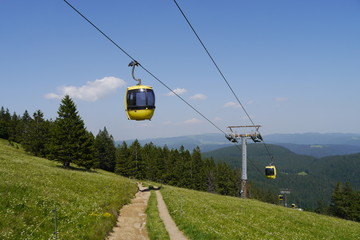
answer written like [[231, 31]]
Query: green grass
[[154, 225], [86, 202], [208, 216]]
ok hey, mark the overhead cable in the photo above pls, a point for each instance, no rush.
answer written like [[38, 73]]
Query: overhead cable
[[221, 73], [146, 70], [151, 74]]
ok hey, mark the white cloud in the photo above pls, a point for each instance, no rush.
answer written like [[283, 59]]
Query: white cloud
[[178, 91], [232, 105], [192, 121], [91, 91], [52, 96], [281, 99], [199, 96]]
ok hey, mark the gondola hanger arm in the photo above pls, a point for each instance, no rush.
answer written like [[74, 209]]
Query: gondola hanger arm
[[133, 64]]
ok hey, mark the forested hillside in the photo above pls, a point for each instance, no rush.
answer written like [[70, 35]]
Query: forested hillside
[[311, 180]]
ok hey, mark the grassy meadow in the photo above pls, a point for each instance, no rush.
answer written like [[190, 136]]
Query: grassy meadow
[[208, 216], [31, 188], [87, 203]]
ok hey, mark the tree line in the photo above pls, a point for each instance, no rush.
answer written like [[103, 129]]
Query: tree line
[[67, 140]]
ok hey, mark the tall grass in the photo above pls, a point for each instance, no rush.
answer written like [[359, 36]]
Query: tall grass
[[208, 216], [31, 188]]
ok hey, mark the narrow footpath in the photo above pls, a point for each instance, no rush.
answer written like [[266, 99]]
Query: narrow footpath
[[131, 223], [171, 228]]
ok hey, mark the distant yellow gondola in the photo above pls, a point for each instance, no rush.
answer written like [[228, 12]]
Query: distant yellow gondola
[[281, 197], [139, 100], [270, 172]]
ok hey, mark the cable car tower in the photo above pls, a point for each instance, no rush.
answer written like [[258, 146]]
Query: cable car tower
[[253, 135]]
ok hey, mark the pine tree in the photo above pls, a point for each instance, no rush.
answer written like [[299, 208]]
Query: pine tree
[[36, 136], [183, 168], [70, 141], [345, 202], [5, 119], [105, 150], [24, 126], [209, 169], [198, 170], [122, 160], [12, 130], [136, 163], [87, 158], [150, 155]]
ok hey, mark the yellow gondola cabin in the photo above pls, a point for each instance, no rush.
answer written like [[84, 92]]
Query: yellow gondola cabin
[[139, 99], [139, 102], [270, 172]]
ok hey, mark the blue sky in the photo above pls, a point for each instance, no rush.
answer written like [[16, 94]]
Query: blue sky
[[295, 65]]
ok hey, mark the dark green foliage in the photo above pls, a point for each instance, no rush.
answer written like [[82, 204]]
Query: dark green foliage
[[24, 127], [176, 167], [311, 180], [87, 159], [5, 121], [105, 150], [136, 166], [12, 128], [35, 134], [70, 141], [345, 202], [122, 160]]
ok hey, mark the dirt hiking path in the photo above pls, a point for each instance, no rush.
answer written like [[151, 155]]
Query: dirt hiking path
[[131, 223], [171, 228]]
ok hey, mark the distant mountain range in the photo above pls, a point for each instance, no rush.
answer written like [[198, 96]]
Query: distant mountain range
[[312, 144]]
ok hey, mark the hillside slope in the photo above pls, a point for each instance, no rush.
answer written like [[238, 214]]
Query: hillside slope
[[208, 216], [31, 188], [310, 179]]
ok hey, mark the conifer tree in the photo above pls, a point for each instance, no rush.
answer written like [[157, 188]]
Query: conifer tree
[[105, 150], [209, 168], [12, 128], [183, 168], [87, 158], [136, 163], [122, 160], [150, 155], [24, 126], [345, 202], [36, 136], [70, 141], [198, 170], [5, 119]]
